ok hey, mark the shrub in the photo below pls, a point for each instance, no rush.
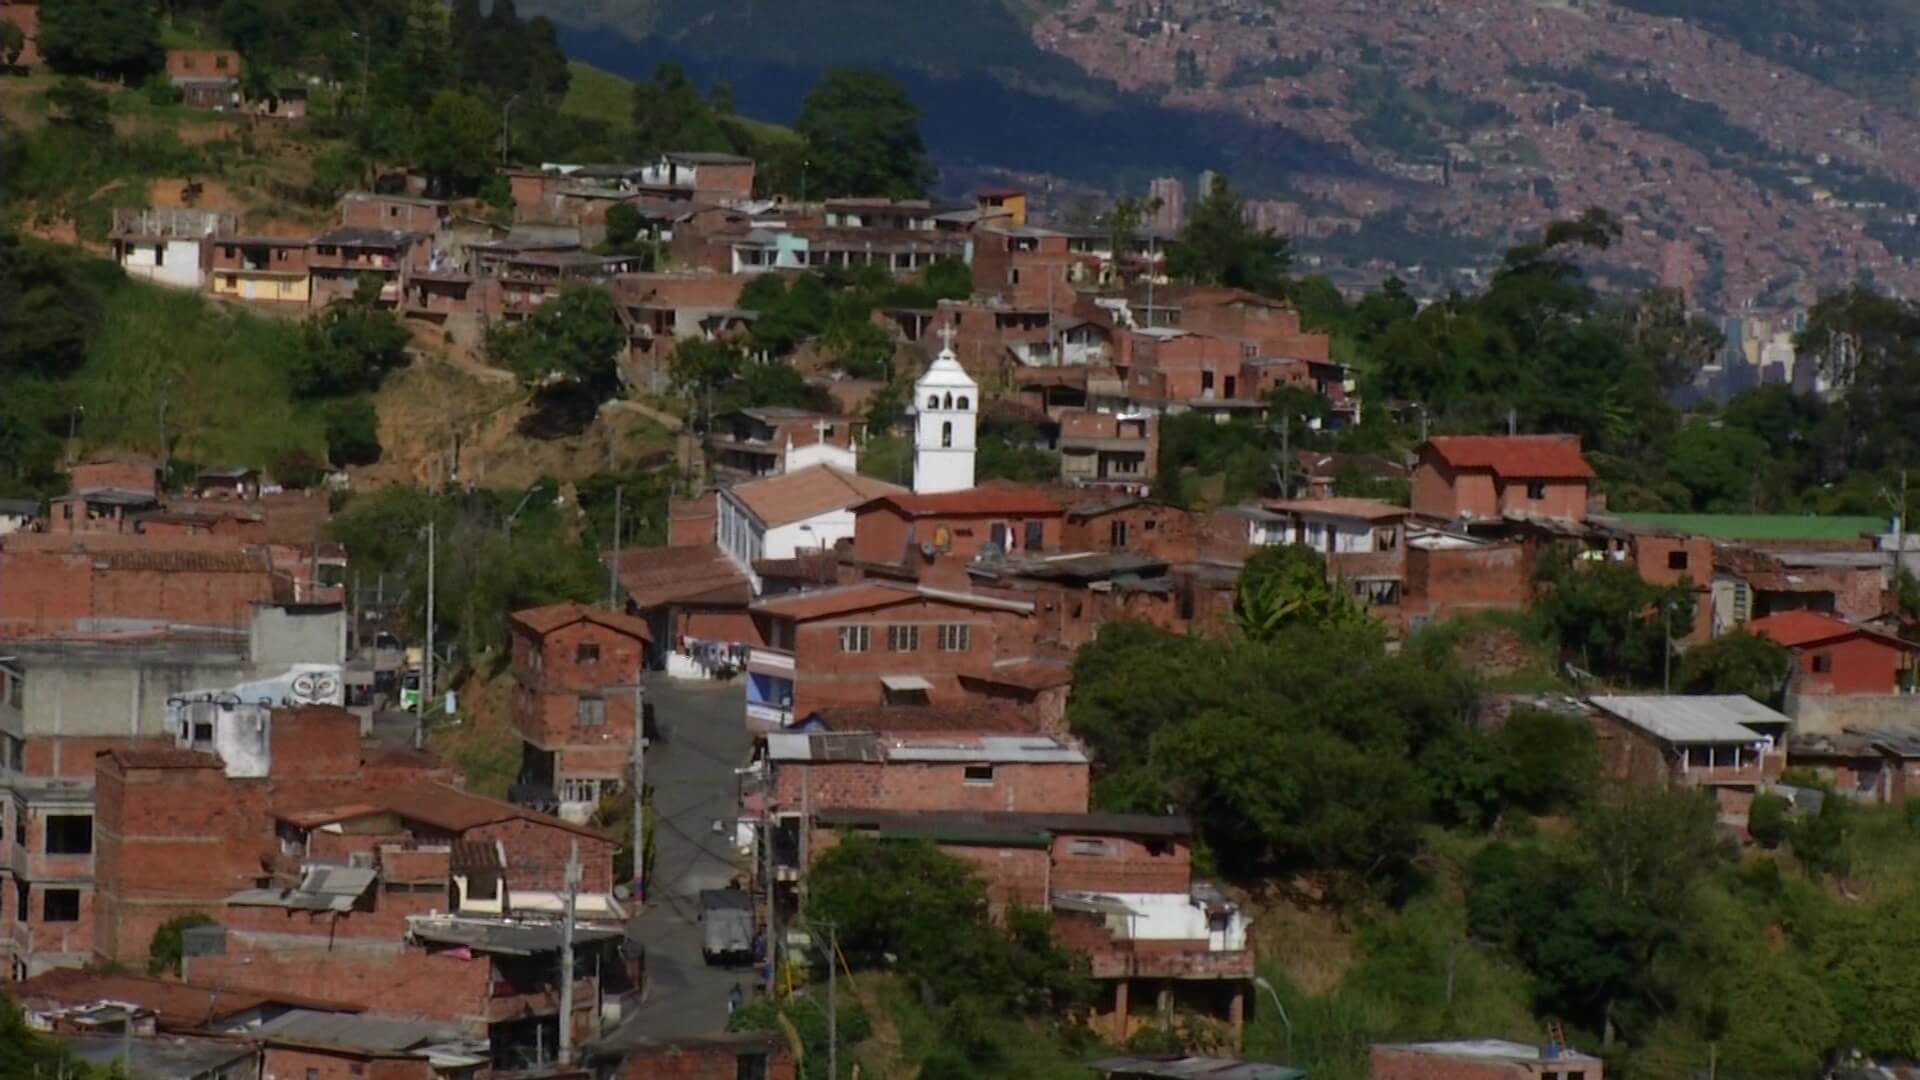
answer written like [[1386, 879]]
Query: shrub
[[1767, 820]]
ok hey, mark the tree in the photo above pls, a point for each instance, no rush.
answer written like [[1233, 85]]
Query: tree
[[456, 141], [623, 225], [1286, 586], [1609, 620], [81, 105], [701, 366], [1716, 464], [1737, 663], [47, 313], [13, 42], [574, 339], [167, 948], [1012, 455], [1218, 247], [353, 433], [862, 134], [669, 114], [349, 347], [1767, 819], [108, 38]]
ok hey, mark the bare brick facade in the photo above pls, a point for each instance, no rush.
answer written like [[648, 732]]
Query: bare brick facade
[[575, 669]]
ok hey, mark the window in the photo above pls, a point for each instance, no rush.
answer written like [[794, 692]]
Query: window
[[947, 402], [586, 654], [1206, 380], [1822, 663], [1676, 560], [313, 1074], [750, 1067], [1091, 848], [946, 433], [978, 774], [962, 404], [933, 401], [856, 638], [1536, 490], [202, 733], [955, 637], [16, 688], [19, 824], [591, 712], [60, 905], [1117, 533], [903, 639], [1036, 536], [20, 888], [69, 834]]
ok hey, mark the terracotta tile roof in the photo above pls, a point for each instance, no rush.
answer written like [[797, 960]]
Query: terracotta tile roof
[[177, 1006], [439, 805], [545, 620], [1362, 509], [819, 603], [817, 489], [701, 573], [457, 811], [996, 717], [1794, 629], [1534, 457], [163, 757], [980, 500]]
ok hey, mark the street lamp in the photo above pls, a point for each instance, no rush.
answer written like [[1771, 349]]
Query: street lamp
[[1281, 1009]]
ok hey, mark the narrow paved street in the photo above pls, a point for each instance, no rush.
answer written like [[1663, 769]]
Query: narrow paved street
[[691, 768]]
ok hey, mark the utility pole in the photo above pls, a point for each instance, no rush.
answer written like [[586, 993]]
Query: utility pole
[[566, 956], [426, 662], [833, 1002], [613, 556], [1666, 652], [639, 785]]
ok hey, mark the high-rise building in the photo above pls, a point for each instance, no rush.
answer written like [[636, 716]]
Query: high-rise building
[[1171, 214], [1207, 177]]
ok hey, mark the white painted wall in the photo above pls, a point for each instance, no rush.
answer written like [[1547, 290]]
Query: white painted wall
[[169, 262], [819, 531], [821, 453]]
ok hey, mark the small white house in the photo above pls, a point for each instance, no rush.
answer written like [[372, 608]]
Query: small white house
[[167, 246], [782, 516], [1341, 526]]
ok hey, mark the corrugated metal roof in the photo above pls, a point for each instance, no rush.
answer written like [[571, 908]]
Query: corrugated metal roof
[[1194, 1068], [380, 1035], [1707, 718], [512, 939]]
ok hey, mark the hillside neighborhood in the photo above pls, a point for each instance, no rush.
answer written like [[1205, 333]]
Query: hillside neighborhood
[[854, 630]]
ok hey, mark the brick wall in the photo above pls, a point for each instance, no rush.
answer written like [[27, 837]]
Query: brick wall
[[300, 1063], [537, 855], [1038, 788], [824, 675], [1442, 584], [1119, 864], [1014, 877], [51, 591], [547, 699], [120, 475], [406, 981]]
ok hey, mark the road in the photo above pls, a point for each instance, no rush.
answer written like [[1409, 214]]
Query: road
[[690, 768]]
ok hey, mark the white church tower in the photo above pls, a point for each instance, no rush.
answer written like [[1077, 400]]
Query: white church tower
[[947, 410]]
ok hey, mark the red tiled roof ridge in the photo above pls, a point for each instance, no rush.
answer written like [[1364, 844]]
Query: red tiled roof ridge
[[1552, 457], [545, 620]]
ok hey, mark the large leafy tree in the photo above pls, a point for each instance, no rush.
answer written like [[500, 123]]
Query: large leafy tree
[[670, 114], [1286, 586], [456, 141], [862, 134], [350, 346], [1610, 621], [111, 38], [1737, 663], [1218, 247], [574, 339]]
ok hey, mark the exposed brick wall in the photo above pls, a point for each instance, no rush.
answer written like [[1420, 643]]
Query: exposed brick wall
[[546, 703], [299, 1063], [405, 981], [1034, 788], [121, 475], [823, 675], [1442, 584], [537, 855], [52, 591], [1125, 865]]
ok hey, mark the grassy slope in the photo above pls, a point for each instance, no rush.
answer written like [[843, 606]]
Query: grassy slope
[[600, 95]]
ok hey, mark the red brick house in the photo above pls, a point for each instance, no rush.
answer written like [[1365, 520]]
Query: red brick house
[[1109, 450], [1488, 477], [575, 670], [957, 523], [1025, 266], [1833, 656], [61, 584], [404, 213], [879, 642]]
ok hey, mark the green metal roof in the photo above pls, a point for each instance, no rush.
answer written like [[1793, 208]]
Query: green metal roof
[[1757, 526]]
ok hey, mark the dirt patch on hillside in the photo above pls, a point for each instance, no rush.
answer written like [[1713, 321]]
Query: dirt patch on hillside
[[441, 424], [1309, 944]]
